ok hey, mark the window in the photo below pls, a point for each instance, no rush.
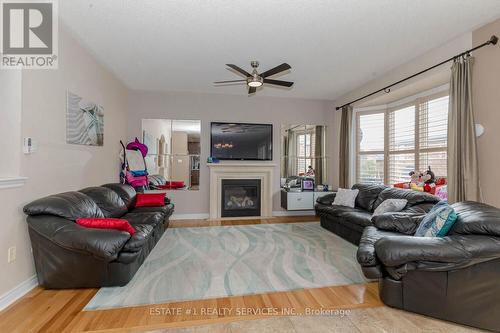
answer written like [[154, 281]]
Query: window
[[305, 155], [370, 134], [394, 141]]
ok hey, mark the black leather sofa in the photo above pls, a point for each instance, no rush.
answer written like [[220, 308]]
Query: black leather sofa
[[455, 278], [349, 223], [70, 256]]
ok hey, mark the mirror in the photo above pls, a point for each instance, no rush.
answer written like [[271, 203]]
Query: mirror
[[174, 151], [303, 155]]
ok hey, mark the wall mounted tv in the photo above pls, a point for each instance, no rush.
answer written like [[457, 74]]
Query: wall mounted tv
[[241, 141]]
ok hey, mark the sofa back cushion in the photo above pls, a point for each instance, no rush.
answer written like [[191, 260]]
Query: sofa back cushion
[[126, 192], [368, 194], [413, 197], [476, 218], [107, 200], [69, 205], [156, 180]]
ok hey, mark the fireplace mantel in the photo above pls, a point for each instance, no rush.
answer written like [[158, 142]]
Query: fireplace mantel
[[238, 170]]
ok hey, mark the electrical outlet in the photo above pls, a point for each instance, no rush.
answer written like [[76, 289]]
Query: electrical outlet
[[11, 255]]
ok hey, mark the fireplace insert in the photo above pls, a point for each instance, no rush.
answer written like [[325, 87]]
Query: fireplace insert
[[240, 197]]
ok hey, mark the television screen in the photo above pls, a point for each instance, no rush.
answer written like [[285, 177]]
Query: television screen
[[238, 141]]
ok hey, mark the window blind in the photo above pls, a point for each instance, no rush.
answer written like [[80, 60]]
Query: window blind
[[370, 161], [401, 144], [433, 134]]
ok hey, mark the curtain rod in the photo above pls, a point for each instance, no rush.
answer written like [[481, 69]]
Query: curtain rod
[[492, 41]]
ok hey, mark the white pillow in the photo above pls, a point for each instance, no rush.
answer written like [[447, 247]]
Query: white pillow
[[390, 205], [345, 197]]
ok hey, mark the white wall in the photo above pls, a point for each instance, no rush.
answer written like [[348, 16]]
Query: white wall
[[215, 107], [57, 166], [10, 123]]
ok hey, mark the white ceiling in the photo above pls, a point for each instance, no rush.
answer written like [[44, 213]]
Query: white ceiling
[[333, 46]]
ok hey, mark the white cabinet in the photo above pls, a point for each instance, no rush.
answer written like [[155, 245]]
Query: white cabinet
[[300, 200]]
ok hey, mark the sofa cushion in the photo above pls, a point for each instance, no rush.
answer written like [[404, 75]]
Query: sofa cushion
[[368, 194], [476, 218], [69, 205], [106, 223], [346, 197], [366, 255], [139, 239], [350, 215], [438, 222], [390, 206], [405, 223], [413, 197], [156, 180], [150, 200], [126, 192], [167, 210], [108, 201], [152, 218]]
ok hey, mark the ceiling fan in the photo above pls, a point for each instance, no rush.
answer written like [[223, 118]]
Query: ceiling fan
[[255, 80]]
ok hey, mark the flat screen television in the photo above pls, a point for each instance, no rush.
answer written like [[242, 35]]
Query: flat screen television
[[241, 141]]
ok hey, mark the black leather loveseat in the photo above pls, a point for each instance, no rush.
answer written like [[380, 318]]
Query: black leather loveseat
[[455, 278], [70, 256], [349, 223]]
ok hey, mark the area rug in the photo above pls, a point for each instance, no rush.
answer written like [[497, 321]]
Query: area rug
[[209, 262]]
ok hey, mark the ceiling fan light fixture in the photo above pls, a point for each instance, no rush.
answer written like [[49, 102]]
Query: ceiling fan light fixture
[[255, 81], [254, 84]]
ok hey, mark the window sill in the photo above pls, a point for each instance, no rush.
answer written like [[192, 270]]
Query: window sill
[[11, 182]]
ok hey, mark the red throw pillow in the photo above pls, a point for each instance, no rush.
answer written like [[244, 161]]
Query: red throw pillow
[[106, 223], [150, 200]]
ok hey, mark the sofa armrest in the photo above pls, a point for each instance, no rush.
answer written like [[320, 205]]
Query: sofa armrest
[[327, 199], [103, 244], [403, 253], [405, 223]]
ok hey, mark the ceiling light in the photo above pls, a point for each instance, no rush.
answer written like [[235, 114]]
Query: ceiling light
[[254, 84]]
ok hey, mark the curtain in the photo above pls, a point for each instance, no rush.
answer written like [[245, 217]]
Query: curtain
[[318, 155], [291, 153], [344, 151], [463, 175]]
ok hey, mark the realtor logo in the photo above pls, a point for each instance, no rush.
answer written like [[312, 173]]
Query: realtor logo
[[29, 34]]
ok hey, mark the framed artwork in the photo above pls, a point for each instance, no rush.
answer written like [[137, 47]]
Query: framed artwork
[[84, 121]]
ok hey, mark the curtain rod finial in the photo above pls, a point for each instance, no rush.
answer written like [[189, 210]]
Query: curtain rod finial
[[494, 40]]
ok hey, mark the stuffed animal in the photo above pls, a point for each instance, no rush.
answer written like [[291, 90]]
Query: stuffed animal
[[430, 176]]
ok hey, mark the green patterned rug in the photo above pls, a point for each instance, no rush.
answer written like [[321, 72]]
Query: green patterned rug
[[210, 262]]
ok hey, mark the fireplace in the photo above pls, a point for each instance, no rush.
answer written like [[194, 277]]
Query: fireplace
[[240, 197]]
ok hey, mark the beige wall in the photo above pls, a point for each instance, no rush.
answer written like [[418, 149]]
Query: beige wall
[[57, 166], [212, 107], [486, 99]]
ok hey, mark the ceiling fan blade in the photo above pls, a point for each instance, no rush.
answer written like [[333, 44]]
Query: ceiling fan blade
[[279, 82], [239, 70], [230, 81], [251, 90], [278, 69]]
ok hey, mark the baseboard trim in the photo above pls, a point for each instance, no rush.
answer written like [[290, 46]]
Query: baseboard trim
[[293, 213], [17, 292], [199, 216]]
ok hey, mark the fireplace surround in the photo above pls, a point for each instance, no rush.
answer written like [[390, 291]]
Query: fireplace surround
[[241, 171]]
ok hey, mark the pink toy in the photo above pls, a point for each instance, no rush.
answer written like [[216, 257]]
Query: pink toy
[[137, 145]]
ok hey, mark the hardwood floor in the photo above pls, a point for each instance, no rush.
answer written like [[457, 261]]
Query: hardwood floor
[[212, 223], [61, 310]]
